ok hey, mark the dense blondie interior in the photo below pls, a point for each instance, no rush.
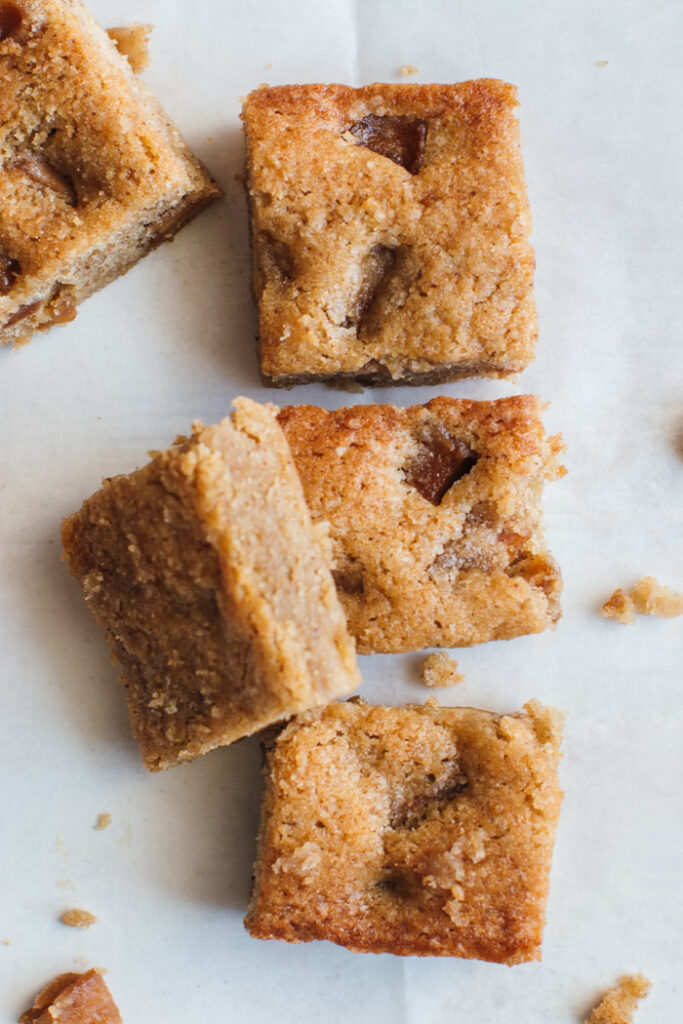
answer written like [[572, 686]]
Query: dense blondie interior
[[214, 588], [390, 232], [74, 999], [415, 830], [435, 517], [92, 173]]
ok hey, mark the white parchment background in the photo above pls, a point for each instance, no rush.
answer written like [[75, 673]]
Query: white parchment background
[[172, 341]]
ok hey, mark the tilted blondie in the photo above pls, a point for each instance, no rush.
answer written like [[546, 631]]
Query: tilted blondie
[[435, 517], [214, 588], [390, 231], [92, 173], [415, 830]]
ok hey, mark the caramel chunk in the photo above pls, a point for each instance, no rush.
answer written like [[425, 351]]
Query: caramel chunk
[[9, 272], [23, 312], [40, 171], [11, 17], [74, 999], [377, 264], [401, 139], [620, 1002], [440, 462]]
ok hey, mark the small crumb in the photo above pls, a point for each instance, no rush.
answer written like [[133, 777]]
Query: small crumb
[[440, 670], [407, 69], [78, 918], [432, 702], [647, 597], [103, 821], [651, 598], [620, 607], [133, 42], [6, 942], [620, 1002], [602, 63], [209, 138], [267, 65]]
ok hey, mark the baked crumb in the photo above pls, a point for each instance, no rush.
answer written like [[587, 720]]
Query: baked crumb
[[651, 598], [602, 63], [103, 821], [620, 1002], [133, 42], [78, 918], [620, 607], [407, 69], [6, 942], [647, 597], [73, 999], [440, 670]]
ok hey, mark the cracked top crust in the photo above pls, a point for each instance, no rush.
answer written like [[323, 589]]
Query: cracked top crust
[[413, 830], [435, 517], [390, 230]]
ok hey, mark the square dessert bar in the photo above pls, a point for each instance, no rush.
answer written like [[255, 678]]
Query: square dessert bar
[[390, 232], [214, 588], [415, 830], [92, 173], [435, 517]]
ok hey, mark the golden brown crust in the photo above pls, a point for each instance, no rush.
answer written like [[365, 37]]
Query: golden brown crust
[[413, 574], [92, 173], [74, 999], [214, 589], [621, 1002], [367, 267], [415, 830]]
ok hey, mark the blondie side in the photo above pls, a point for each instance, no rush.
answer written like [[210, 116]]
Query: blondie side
[[435, 517], [92, 173], [414, 830], [390, 232], [214, 588]]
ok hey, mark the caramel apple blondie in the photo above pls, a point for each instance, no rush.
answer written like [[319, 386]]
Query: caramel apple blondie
[[213, 585], [92, 173], [435, 517], [390, 232], [415, 830]]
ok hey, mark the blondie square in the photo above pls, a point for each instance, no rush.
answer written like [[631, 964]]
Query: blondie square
[[435, 517], [390, 232], [214, 588], [415, 830], [92, 173]]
